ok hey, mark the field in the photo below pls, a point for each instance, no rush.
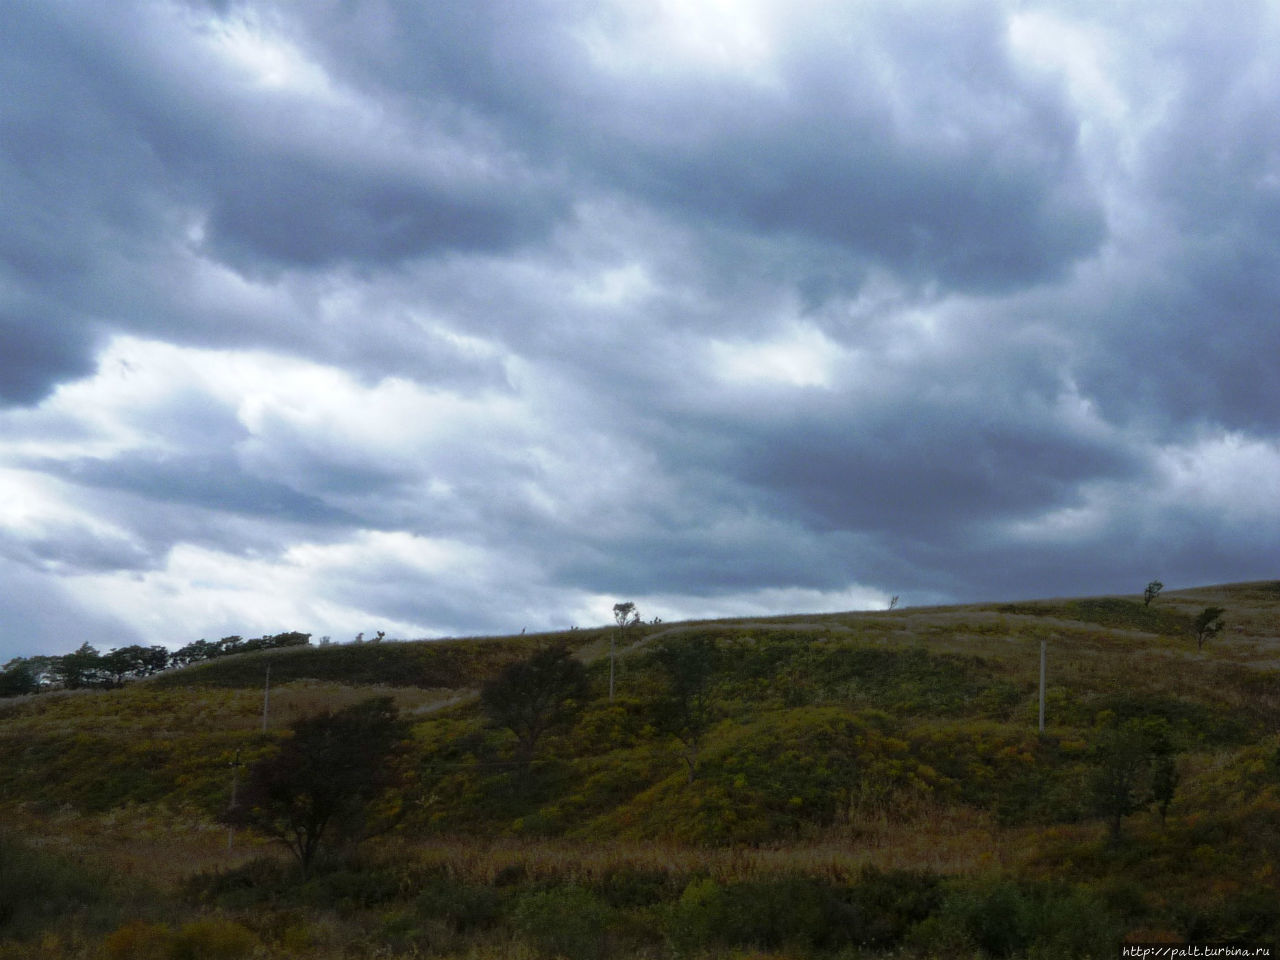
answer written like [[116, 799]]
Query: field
[[846, 785]]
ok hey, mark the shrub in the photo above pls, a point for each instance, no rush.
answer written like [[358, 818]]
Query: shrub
[[882, 907], [788, 910], [139, 940], [208, 939], [39, 891], [1004, 918], [212, 939], [462, 907]]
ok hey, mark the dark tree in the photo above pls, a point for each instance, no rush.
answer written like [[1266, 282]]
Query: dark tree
[[18, 677], [1152, 591], [132, 661], [80, 669], [689, 666], [533, 696], [1208, 625], [1133, 767], [328, 779]]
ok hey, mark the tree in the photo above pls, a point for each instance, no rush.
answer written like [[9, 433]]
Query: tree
[[332, 776], [132, 661], [1208, 625], [533, 696], [624, 615], [1133, 767], [1152, 591], [18, 677], [79, 669], [685, 711]]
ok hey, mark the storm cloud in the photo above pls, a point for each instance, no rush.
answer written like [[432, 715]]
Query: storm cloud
[[440, 320]]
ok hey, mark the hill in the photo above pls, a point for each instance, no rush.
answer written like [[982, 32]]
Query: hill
[[852, 784]]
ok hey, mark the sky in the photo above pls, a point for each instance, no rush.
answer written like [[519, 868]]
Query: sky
[[453, 319]]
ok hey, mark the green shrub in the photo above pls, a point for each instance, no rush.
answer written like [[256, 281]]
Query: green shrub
[[139, 940], [883, 906], [212, 939], [39, 891], [208, 939], [1004, 918], [567, 921], [789, 910]]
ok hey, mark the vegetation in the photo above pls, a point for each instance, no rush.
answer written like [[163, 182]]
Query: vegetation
[[836, 787]]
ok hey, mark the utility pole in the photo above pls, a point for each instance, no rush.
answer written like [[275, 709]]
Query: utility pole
[[1043, 644], [266, 698]]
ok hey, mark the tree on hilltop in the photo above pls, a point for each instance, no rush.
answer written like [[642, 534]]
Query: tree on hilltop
[[1151, 592]]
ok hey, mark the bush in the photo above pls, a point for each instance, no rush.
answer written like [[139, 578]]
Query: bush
[[213, 939], [788, 910], [139, 940], [208, 939], [883, 906], [39, 892], [462, 907], [1004, 918], [564, 922]]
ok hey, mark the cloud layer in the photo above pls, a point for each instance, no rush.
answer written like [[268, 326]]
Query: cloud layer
[[353, 316]]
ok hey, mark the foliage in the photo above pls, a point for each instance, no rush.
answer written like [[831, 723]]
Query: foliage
[[1005, 918], [39, 892], [569, 921], [325, 779], [18, 677], [206, 939]]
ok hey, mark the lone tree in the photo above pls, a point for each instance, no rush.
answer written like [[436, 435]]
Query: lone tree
[[533, 696], [1208, 625], [1152, 591], [331, 777], [624, 615]]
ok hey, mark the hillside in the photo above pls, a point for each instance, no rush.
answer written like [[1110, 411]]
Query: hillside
[[853, 784]]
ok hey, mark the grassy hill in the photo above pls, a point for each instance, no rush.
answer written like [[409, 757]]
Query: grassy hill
[[863, 784]]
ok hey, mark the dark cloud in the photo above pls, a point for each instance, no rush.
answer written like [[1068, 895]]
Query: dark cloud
[[35, 355], [207, 482], [39, 616], [948, 300]]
